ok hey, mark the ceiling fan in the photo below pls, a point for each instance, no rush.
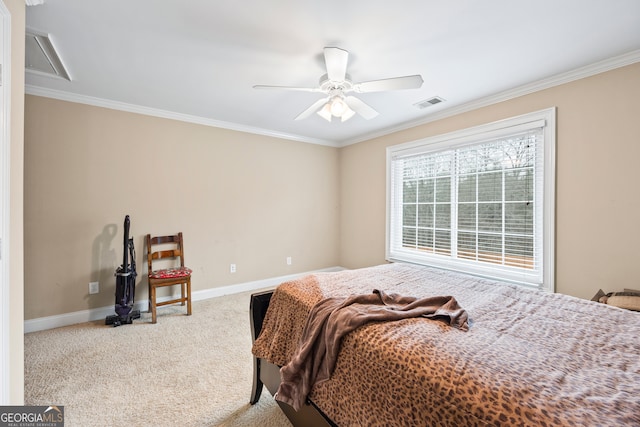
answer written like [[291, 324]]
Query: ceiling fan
[[336, 84]]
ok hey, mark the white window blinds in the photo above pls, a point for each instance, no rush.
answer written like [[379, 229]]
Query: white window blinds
[[472, 202]]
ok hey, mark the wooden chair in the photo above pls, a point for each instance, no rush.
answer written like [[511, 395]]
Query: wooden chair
[[167, 248]]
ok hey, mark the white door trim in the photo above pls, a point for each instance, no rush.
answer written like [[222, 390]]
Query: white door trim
[[5, 173]]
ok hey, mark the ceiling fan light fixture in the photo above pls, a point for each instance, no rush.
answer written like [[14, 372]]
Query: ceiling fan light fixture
[[325, 112], [347, 114], [338, 106]]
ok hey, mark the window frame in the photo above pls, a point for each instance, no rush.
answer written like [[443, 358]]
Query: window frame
[[476, 135]]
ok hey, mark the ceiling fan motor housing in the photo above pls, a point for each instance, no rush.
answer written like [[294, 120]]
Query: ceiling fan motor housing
[[329, 86]]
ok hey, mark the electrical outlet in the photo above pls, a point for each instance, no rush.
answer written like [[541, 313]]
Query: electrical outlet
[[94, 288], [232, 268], [288, 260]]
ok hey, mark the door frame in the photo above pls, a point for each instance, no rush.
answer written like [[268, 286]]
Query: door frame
[[5, 196]]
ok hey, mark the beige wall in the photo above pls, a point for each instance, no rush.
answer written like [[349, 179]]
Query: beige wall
[[254, 200], [16, 278], [237, 197], [597, 206]]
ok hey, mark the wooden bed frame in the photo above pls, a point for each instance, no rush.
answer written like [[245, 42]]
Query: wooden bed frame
[[268, 374]]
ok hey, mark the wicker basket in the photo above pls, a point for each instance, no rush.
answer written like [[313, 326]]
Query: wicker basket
[[628, 300]]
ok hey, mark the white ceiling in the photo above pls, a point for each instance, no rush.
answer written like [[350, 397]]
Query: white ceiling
[[197, 60]]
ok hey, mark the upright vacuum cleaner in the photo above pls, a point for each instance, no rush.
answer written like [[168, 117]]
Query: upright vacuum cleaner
[[125, 284]]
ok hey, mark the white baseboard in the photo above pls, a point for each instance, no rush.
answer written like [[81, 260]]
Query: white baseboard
[[66, 319]]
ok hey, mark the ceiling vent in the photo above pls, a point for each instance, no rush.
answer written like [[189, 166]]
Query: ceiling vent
[[41, 57], [429, 102]]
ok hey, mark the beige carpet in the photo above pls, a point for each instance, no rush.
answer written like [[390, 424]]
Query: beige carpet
[[183, 371]]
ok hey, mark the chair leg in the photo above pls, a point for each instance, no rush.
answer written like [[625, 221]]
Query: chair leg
[[182, 286], [152, 293], [189, 296]]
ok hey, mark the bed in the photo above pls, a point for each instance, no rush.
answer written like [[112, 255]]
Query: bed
[[528, 358]]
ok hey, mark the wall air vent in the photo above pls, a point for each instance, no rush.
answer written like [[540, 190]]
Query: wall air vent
[[41, 57], [429, 102]]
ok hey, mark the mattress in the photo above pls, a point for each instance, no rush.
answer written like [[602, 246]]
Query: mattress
[[529, 357]]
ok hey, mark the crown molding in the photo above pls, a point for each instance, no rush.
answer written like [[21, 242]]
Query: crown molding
[[34, 2], [155, 112], [559, 79]]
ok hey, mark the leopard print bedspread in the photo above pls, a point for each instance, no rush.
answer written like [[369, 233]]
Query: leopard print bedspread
[[529, 359]]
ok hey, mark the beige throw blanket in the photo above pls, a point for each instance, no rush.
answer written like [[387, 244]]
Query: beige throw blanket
[[332, 318]]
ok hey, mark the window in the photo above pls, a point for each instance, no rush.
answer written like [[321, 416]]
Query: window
[[479, 200]]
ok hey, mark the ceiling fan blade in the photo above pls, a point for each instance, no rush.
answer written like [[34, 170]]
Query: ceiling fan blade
[[299, 89], [314, 107], [360, 107], [394, 83], [336, 61]]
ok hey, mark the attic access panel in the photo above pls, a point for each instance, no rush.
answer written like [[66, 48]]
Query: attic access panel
[[41, 56]]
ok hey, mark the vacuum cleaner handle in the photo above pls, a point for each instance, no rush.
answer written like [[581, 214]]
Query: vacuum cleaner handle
[[125, 261]]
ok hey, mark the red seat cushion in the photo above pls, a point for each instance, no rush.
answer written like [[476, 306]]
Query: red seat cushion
[[170, 273]]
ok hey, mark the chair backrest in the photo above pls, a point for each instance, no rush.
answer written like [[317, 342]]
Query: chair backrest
[[164, 247]]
